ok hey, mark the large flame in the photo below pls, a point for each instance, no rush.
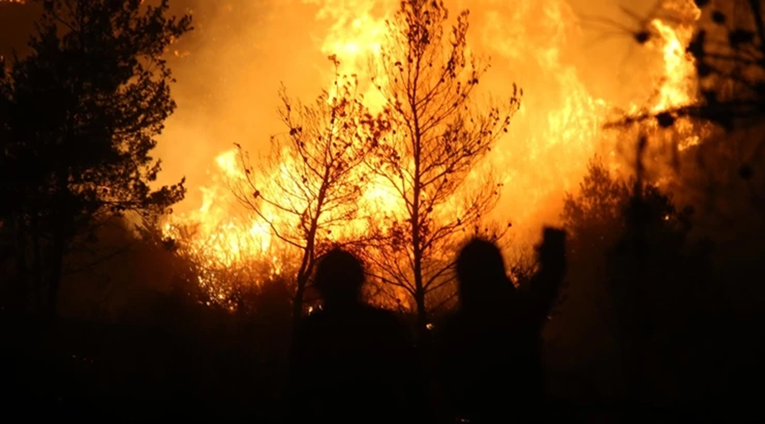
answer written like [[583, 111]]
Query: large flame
[[557, 131]]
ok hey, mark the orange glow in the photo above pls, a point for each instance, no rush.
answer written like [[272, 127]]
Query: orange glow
[[552, 137], [679, 74]]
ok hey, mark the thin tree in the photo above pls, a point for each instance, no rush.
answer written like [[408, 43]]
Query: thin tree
[[308, 188], [437, 138], [82, 113]]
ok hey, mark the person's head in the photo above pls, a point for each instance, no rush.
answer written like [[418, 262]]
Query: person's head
[[339, 277], [481, 273]]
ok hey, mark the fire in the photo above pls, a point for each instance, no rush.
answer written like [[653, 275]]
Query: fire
[[356, 36], [679, 87], [218, 235], [555, 133]]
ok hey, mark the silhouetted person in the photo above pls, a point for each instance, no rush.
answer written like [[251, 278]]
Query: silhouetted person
[[491, 348], [351, 362]]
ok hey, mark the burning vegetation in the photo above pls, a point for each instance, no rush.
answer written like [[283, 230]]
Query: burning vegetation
[[400, 130], [402, 154]]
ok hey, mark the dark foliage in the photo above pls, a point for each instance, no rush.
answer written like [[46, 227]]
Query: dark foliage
[[653, 278], [80, 116], [145, 341]]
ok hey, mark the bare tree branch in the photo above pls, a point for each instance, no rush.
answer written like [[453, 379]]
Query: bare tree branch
[[436, 140]]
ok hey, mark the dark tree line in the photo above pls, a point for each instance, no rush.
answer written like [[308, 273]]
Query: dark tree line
[[648, 276], [79, 118], [670, 257]]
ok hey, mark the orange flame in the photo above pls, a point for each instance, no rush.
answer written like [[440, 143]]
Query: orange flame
[[560, 124]]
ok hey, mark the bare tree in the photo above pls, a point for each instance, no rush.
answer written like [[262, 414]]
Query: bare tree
[[308, 188], [436, 140]]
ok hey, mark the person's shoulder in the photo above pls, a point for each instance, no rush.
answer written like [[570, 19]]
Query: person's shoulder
[[375, 312], [451, 321], [309, 323], [383, 317], [454, 326]]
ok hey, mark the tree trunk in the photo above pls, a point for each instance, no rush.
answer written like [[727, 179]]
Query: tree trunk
[[419, 289], [297, 302], [36, 295], [54, 282], [20, 289], [304, 273], [422, 315], [308, 261]]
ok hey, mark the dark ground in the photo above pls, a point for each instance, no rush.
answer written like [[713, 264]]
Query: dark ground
[[94, 372]]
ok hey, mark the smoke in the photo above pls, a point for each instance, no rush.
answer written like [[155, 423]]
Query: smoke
[[228, 71]]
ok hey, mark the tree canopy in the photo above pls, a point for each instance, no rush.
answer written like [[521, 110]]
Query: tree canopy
[[81, 115]]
